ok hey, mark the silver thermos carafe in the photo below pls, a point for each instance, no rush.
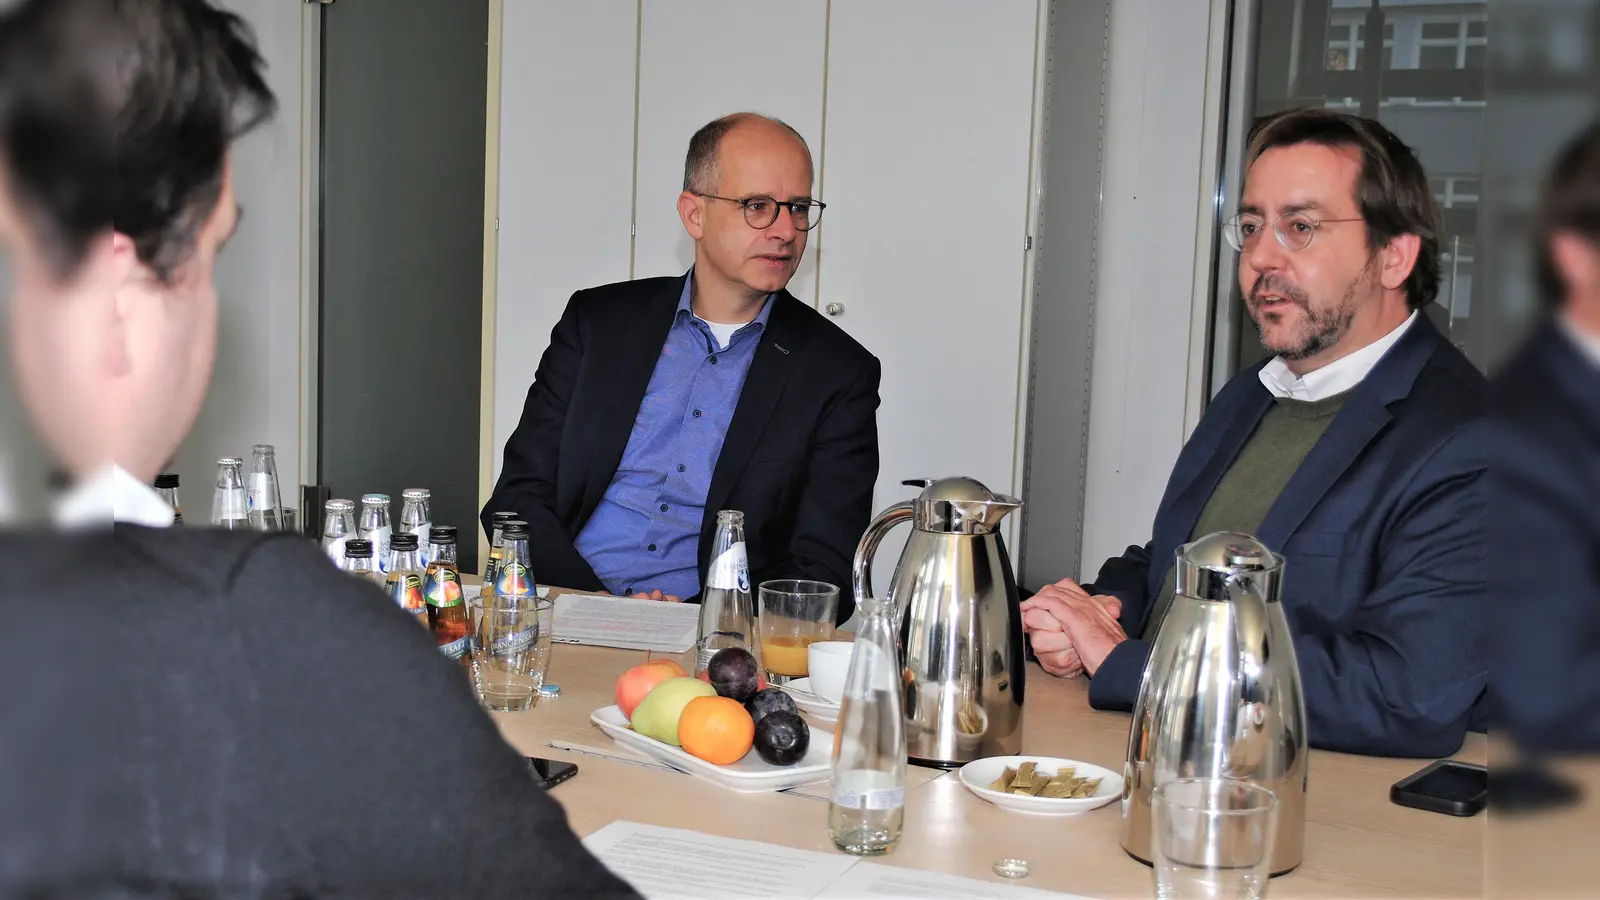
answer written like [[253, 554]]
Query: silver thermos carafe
[[1221, 695], [960, 622]]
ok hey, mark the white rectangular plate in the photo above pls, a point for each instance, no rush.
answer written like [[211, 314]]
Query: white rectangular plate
[[751, 775]]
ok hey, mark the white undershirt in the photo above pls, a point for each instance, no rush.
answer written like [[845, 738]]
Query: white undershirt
[[112, 495], [723, 333], [1334, 378], [1588, 342]]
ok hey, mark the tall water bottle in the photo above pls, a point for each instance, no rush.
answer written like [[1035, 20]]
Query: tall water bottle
[[264, 500], [727, 611], [375, 527], [228, 503], [338, 527], [867, 810], [416, 517]]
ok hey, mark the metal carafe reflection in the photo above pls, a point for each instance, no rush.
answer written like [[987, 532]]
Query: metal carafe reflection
[[1221, 695], [960, 626]]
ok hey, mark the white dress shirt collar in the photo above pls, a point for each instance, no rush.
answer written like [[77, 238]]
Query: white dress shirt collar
[[1588, 342], [112, 495], [1334, 378]]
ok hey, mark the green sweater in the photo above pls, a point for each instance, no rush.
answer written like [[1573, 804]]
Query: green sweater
[[1258, 475]]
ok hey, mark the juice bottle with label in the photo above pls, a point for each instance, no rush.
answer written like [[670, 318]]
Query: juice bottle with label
[[404, 578], [441, 586]]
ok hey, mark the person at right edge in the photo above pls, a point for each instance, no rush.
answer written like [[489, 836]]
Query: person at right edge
[[194, 712], [1357, 452], [1544, 480]]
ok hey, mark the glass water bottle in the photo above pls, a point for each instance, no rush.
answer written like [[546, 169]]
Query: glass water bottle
[[867, 812], [727, 611], [338, 527], [375, 527], [228, 503], [264, 499], [416, 518]]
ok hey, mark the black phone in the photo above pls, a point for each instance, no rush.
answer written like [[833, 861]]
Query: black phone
[[550, 772], [1445, 786]]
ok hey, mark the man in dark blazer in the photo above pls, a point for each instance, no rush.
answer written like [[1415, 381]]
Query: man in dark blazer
[[1358, 453], [660, 402], [201, 713], [1545, 481]]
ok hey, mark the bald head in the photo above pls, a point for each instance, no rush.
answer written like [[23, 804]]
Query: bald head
[[700, 172]]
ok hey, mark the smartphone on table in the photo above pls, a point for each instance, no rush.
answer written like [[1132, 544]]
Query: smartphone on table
[[550, 772], [1445, 786]]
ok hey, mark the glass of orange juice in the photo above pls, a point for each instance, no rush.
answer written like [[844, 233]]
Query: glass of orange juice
[[794, 615]]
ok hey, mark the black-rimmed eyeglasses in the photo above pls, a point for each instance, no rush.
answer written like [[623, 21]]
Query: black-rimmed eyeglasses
[[761, 212]]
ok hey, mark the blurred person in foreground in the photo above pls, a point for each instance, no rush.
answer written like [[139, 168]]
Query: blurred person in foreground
[[1545, 480], [1357, 452], [201, 713]]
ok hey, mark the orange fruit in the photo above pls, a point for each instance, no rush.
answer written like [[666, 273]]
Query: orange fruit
[[717, 729]]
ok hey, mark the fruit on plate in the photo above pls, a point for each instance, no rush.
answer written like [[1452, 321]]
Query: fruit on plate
[[734, 673], [768, 701], [636, 683], [716, 729], [657, 715], [761, 679], [782, 738]]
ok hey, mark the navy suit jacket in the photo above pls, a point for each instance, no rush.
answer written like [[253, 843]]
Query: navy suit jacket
[[1383, 529], [1545, 534]]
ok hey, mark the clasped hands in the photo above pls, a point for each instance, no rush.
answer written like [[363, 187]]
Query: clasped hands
[[1071, 631]]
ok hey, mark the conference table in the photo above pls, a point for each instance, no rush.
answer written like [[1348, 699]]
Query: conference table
[[1358, 843]]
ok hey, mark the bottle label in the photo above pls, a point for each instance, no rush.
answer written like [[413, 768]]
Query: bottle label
[[407, 591], [443, 588], [262, 496], [889, 798], [455, 649], [335, 548], [518, 642], [730, 571], [424, 546], [230, 504], [512, 580], [380, 548]]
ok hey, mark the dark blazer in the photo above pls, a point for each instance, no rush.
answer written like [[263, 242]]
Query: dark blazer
[[202, 713], [1383, 528], [1544, 469], [800, 457]]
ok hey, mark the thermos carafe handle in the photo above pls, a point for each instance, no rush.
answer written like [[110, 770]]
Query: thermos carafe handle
[[868, 548], [1247, 750]]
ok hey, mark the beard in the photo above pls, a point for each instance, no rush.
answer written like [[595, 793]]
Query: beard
[[1321, 326]]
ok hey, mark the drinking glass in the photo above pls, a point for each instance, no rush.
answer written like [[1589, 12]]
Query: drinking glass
[[510, 648], [1212, 838], [794, 615]]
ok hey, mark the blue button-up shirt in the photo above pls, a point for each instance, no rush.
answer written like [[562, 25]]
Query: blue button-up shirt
[[645, 534]]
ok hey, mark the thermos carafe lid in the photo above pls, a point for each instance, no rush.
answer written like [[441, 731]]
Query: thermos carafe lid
[[1206, 566], [959, 506]]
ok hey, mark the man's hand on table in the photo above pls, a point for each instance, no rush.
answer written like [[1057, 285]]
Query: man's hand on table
[[657, 595], [1071, 631]]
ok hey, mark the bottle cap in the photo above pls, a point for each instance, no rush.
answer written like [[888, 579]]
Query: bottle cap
[[375, 500], [416, 494], [263, 450], [515, 530], [442, 534], [233, 461], [358, 548], [504, 516], [1012, 868], [167, 480], [405, 540], [339, 506]]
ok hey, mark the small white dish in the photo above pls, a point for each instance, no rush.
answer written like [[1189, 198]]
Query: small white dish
[[822, 710], [828, 662], [980, 773], [751, 775]]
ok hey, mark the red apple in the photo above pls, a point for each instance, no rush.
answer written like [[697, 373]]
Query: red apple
[[637, 683]]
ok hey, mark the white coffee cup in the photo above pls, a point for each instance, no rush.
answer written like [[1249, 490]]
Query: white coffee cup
[[827, 663]]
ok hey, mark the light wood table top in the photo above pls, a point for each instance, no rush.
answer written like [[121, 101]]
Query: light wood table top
[[1358, 844]]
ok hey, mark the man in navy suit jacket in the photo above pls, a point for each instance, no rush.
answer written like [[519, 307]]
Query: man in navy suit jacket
[[1545, 482], [1358, 453]]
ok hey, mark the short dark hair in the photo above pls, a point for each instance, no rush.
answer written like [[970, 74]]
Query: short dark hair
[[1392, 190], [1570, 202], [118, 114], [700, 166]]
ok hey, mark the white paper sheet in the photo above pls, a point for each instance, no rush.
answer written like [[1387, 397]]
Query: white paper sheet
[[673, 864], [622, 622], [866, 880]]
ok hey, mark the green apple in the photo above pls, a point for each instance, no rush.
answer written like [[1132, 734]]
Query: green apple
[[657, 714]]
